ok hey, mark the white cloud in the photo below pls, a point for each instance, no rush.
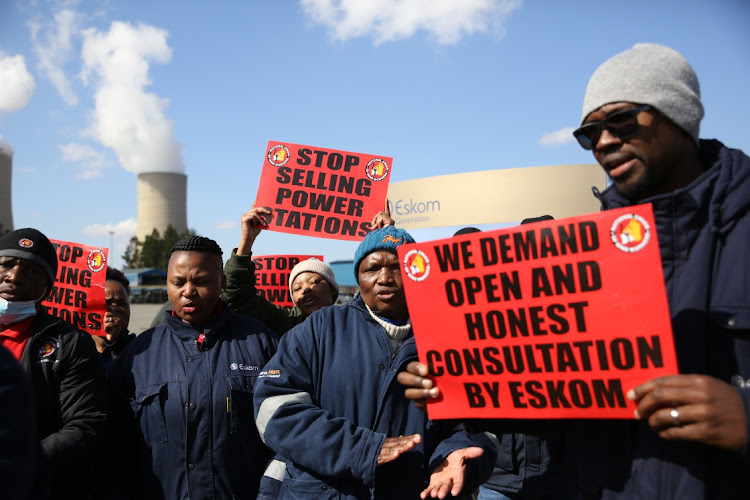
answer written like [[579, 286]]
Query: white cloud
[[16, 83], [127, 118], [558, 137], [87, 158], [89, 174], [390, 20], [26, 170], [80, 152], [125, 228], [227, 224], [53, 45], [119, 234]]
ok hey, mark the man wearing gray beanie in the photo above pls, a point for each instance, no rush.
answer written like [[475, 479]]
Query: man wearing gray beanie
[[691, 437]]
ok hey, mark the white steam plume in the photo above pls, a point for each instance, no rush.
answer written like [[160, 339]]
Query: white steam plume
[[126, 118], [16, 83], [5, 147]]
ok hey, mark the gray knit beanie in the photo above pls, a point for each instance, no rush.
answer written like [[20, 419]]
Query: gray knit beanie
[[317, 266], [650, 74]]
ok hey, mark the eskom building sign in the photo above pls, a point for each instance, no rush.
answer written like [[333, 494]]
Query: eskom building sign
[[496, 196]]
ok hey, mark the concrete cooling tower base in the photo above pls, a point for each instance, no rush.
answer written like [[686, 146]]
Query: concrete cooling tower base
[[162, 201], [6, 170]]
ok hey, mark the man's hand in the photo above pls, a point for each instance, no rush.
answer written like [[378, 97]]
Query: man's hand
[[420, 388], [382, 218], [394, 447], [693, 408], [253, 222], [448, 477]]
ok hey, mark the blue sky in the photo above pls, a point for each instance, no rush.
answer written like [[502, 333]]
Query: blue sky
[[422, 81]]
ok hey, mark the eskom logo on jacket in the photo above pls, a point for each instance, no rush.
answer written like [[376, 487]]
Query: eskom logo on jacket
[[240, 366], [741, 383]]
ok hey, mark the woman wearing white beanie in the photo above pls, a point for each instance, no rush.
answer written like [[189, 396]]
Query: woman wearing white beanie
[[312, 283]]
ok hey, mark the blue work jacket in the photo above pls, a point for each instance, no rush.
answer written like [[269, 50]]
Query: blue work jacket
[[329, 398], [190, 408]]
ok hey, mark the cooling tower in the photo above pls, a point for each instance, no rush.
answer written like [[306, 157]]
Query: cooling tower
[[162, 200], [6, 208]]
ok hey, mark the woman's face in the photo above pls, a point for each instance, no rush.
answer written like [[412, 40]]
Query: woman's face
[[194, 284], [311, 291]]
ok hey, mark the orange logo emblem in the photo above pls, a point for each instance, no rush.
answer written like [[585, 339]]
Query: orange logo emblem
[[416, 265]]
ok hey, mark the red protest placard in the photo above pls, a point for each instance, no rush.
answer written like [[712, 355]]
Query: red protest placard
[[78, 293], [322, 192], [272, 276], [557, 319]]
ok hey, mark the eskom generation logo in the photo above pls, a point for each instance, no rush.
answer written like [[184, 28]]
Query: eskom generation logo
[[377, 169], [411, 207], [96, 260], [630, 232], [278, 155], [416, 265], [243, 367]]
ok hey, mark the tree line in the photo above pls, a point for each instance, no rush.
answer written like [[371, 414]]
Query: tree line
[[153, 251]]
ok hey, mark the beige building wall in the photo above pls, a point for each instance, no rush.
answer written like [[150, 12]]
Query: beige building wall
[[496, 196], [6, 204], [162, 200]]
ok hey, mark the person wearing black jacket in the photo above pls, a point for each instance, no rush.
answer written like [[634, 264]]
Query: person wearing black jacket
[[66, 373], [20, 452]]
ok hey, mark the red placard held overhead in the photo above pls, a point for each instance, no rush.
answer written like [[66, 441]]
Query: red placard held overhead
[[272, 276], [557, 319], [322, 192], [77, 296]]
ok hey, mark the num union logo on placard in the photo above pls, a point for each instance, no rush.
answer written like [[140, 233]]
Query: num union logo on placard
[[278, 155], [416, 265], [377, 169], [630, 233]]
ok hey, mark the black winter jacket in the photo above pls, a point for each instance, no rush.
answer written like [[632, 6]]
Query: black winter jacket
[[68, 378]]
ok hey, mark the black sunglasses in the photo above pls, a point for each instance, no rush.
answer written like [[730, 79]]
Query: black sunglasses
[[621, 124]]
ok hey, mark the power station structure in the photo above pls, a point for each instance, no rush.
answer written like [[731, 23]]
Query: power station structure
[[162, 201], [6, 171]]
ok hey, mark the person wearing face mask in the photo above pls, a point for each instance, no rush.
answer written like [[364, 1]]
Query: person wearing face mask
[[66, 373]]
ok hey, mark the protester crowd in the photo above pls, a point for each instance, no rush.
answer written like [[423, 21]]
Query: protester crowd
[[231, 396]]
